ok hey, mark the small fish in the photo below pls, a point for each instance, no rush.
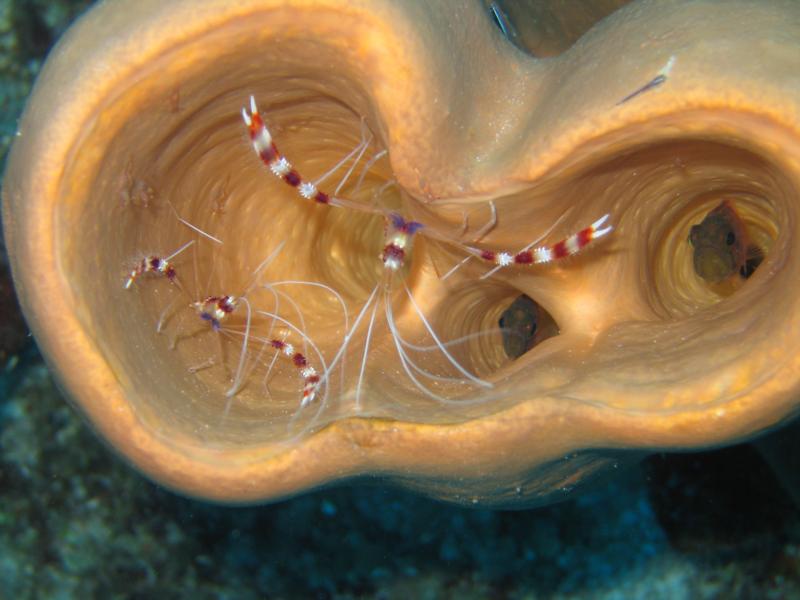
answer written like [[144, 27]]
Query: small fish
[[653, 83], [525, 324], [518, 323], [722, 251]]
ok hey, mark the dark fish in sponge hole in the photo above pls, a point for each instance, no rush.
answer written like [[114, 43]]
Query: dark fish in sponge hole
[[524, 324], [722, 249]]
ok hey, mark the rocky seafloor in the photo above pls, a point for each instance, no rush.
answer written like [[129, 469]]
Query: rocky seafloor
[[77, 522]]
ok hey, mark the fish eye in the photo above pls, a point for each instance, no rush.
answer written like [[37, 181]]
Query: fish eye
[[730, 239]]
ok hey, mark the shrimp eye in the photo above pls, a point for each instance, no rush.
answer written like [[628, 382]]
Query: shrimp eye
[[730, 239]]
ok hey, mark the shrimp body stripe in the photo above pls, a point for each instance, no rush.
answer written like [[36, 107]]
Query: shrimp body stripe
[[156, 265], [545, 254], [151, 264], [277, 163]]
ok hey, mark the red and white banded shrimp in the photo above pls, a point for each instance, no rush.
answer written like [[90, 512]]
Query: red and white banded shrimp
[[392, 288], [265, 147], [248, 324]]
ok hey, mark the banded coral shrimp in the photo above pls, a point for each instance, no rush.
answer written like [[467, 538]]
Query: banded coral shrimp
[[253, 339], [447, 378]]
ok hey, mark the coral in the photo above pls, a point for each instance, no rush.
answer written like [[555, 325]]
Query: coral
[[77, 523], [28, 28]]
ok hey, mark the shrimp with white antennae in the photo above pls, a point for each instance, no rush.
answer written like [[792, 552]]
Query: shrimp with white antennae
[[156, 265], [162, 267], [216, 309], [279, 165], [238, 322], [569, 246], [398, 238], [399, 234], [565, 248]]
